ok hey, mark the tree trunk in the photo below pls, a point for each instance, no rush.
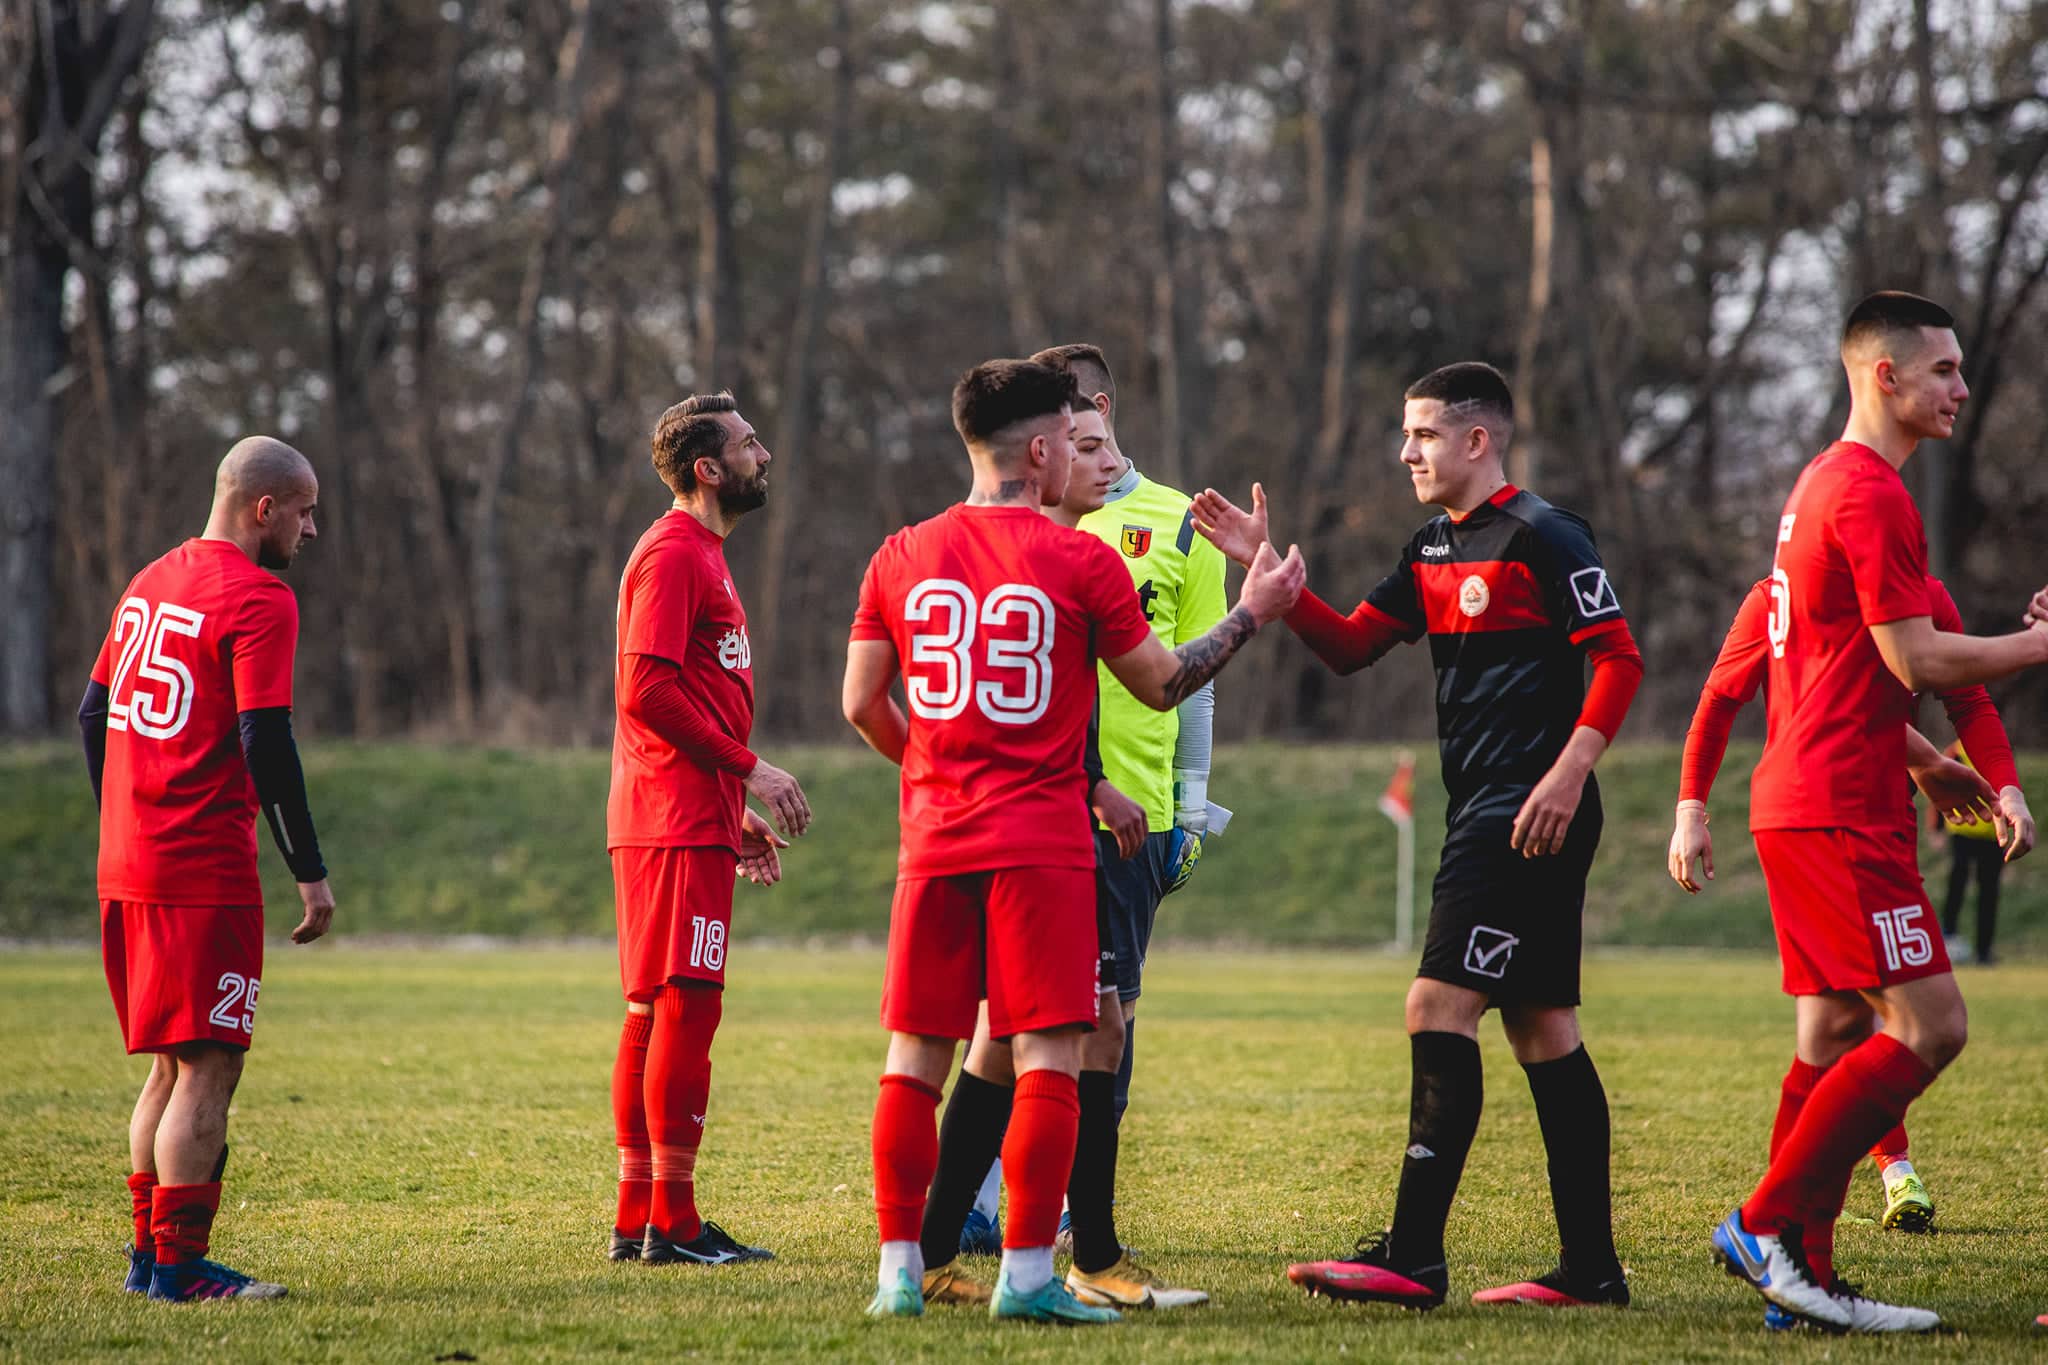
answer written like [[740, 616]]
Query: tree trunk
[[487, 559], [1525, 464], [73, 78], [793, 426], [720, 362], [1171, 326]]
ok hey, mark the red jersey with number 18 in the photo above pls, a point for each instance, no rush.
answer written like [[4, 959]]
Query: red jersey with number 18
[[1851, 554], [998, 616], [677, 602], [200, 635]]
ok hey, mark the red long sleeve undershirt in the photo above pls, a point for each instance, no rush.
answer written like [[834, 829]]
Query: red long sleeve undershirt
[[1349, 643], [1983, 735], [654, 694]]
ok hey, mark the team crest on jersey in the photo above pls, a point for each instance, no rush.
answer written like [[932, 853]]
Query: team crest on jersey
[[734, 650], [1137, 541], [1474, 596]]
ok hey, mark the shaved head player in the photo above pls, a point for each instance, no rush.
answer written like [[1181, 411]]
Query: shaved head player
[[187, 728]]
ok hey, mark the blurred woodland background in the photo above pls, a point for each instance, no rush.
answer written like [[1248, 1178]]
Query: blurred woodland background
[[463, 252]]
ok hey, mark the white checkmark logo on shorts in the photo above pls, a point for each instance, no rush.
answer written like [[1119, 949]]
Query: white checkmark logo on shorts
[[1488, 950]]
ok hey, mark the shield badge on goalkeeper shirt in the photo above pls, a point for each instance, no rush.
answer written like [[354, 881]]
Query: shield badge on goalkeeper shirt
[[1137, 540]]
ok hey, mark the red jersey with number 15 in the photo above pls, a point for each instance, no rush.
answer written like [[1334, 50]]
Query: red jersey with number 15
[[998, 616], [1851, 554], [200, 636]]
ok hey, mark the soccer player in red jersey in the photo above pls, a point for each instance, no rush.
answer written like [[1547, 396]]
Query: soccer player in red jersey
[[678, 825], [995, 616], [187, 729], [1954, 788], [1515, 602], [1851, 639]]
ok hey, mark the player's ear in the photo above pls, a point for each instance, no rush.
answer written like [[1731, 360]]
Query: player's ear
[[1887, 375], [717, 475], [1101, 402]]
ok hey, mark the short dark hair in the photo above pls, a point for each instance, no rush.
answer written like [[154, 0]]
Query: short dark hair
[[997, 394], [687, 433], [1470, 386], [1886, 317], [1089, 365]]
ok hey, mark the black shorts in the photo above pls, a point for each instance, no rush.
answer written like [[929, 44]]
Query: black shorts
[[1508, 926], [1127, 896]]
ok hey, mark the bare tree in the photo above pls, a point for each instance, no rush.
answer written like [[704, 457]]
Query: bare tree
[[66, 65]]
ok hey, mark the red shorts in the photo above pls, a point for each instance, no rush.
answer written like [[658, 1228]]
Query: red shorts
[[675, 910], [1024, 937], [182, 973], [1849, 908]]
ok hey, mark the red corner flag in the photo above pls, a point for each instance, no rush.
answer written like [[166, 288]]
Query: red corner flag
[[1397, 803]]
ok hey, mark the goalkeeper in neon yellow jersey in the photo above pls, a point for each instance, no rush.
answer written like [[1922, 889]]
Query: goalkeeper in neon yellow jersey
[[1159, 759]]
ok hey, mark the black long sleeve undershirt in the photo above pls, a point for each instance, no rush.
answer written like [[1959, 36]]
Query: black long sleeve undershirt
[[273, 758], [92, 730], [1091, 753]]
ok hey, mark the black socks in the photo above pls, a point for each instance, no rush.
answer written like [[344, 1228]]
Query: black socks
[[1091, 1189], [970, 1139], [1443, 1116], [1571, 1108]]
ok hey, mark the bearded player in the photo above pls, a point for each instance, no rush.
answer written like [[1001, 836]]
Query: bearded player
[[995, 616], [1954, 789], [679, 828], [187, 729], [1851, 640], [1515, 602]]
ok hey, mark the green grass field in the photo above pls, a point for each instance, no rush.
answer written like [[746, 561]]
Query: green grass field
[[437, 841], [422, 1151]]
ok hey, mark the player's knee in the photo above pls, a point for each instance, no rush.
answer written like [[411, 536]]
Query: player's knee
[[1438, 1007], [1104, 1048]]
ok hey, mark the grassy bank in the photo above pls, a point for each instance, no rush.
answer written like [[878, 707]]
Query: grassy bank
[[426, 840]]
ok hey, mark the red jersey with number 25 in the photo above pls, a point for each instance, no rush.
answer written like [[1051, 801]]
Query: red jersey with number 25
[[1851, 554], [199, 636], [998, 616]]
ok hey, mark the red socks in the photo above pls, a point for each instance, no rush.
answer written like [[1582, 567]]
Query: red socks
[[629, 1121], [1891, 1147], [1792, 1096], [141, 1201], [1038, 1155], [1858, 1099], [678, 1085], [906, 1153], [181, 1220]]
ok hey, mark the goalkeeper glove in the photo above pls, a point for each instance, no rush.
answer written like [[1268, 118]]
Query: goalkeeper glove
[[1183, 851]]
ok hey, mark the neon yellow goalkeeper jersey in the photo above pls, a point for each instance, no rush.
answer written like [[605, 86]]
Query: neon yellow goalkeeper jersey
[[1179, 577]]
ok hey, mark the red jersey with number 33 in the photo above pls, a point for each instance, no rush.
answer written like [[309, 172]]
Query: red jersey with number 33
[[199, 636], [1851, 554], [998, 616], [677, 602]]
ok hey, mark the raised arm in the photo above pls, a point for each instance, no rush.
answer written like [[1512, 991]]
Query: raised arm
[[1930, 660], [1163, 678]]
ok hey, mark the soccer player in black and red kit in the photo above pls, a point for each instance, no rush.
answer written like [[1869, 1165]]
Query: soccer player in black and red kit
[[1514, 601]]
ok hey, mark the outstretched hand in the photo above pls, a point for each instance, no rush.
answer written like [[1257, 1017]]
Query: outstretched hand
[[1230, 528], [1272, 585]]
